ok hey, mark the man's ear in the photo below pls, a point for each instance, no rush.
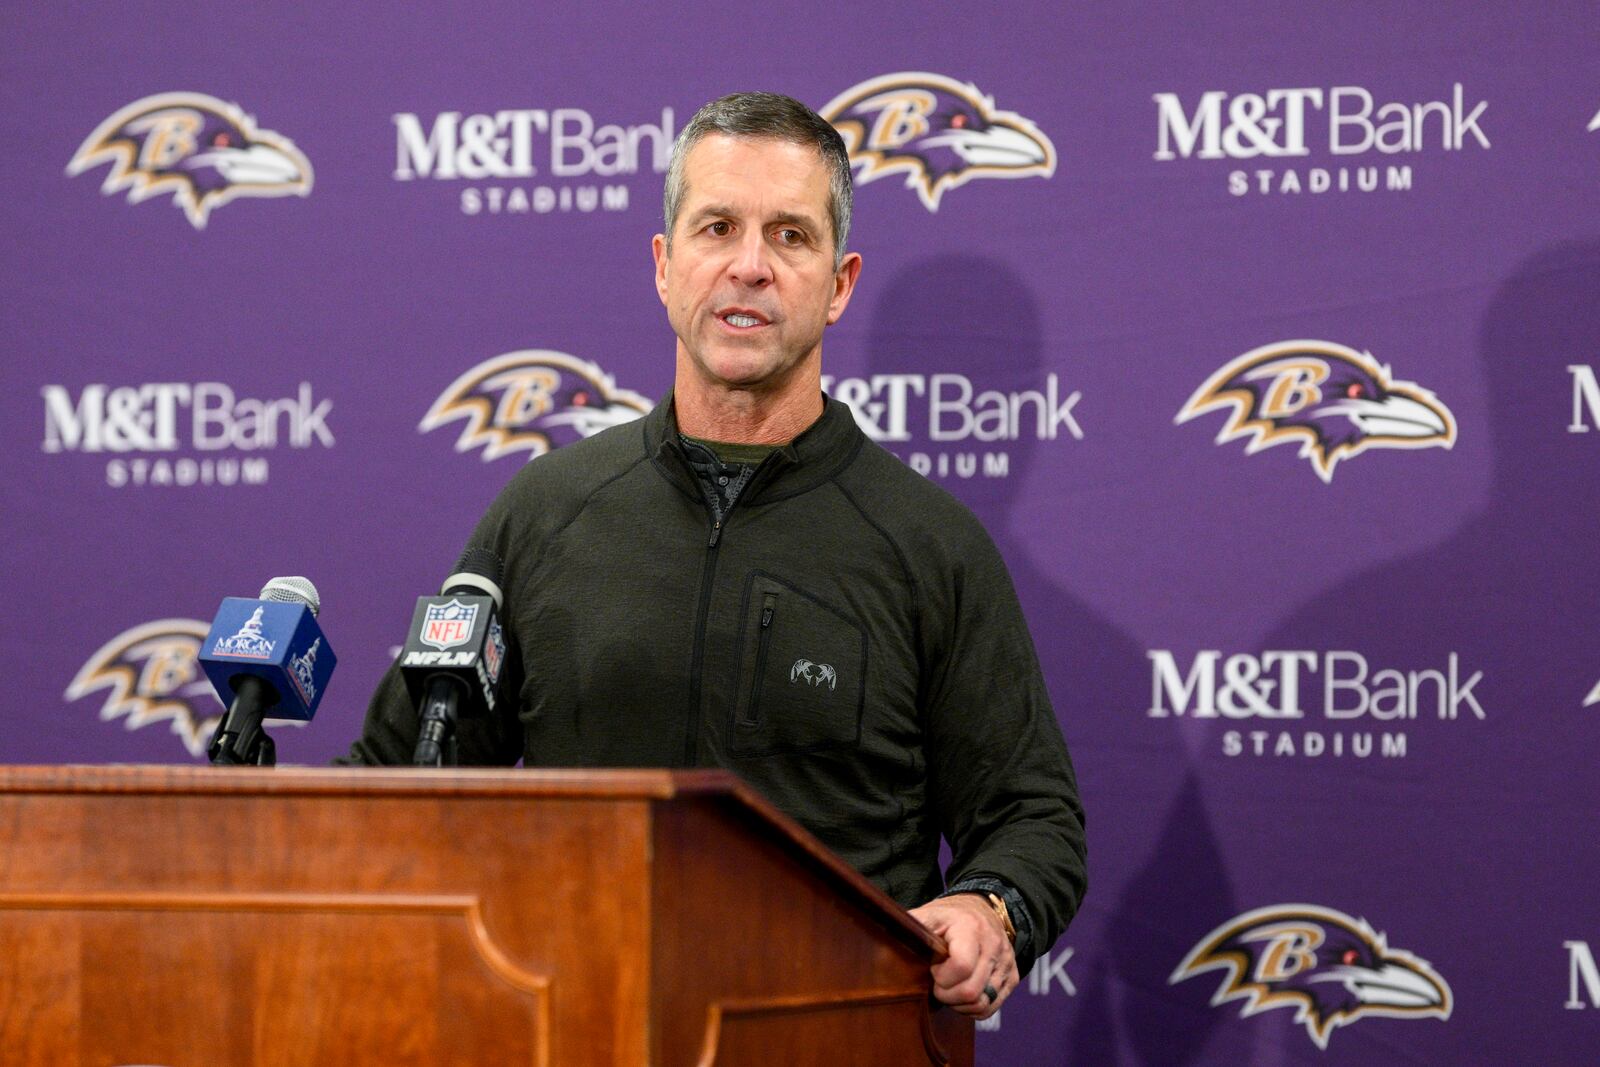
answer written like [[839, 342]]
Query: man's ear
[[658, 249], [844, 283]]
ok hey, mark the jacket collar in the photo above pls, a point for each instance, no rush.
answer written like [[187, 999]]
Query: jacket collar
[[825, 448]]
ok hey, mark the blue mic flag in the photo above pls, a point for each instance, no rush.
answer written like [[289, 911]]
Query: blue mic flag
[[279, 643]]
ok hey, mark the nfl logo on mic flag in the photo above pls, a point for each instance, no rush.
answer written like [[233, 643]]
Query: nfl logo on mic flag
[[448, 625]]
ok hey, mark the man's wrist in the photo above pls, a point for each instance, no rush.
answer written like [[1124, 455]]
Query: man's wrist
[[1017, 911]]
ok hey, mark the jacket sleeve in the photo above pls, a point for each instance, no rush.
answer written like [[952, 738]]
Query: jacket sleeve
[[1000, 778], [389, 734]]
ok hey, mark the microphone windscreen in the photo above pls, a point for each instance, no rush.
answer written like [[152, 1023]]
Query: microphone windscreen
[[292, 590]]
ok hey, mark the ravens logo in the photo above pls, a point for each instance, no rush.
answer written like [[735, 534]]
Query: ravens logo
[[201, 150], [1331, 968], [153, 674], [1335, 401], [533, 400], [936, 131], [814, 674]]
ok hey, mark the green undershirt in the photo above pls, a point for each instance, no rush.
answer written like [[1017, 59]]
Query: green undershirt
[[734, 453]]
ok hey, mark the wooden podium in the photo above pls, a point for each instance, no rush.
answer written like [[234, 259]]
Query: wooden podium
[[200, 917]]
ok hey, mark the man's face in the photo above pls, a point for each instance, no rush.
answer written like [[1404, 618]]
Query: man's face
[[750, 281]]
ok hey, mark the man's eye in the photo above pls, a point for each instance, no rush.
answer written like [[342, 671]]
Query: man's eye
[[791, 236], [719, 229]]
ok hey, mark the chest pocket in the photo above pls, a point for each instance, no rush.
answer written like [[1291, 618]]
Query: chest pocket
[[802, 673]]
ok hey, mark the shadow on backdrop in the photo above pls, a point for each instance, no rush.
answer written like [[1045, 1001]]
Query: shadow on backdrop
[[1155, 875], [1479, 853]]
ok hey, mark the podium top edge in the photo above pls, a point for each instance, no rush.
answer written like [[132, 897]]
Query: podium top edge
[[721, 787], [313, 781]]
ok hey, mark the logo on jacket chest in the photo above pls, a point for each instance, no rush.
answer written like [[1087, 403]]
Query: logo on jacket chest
[[813, 674]]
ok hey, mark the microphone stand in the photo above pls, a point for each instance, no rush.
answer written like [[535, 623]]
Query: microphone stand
[[240, 739], [436, 741]]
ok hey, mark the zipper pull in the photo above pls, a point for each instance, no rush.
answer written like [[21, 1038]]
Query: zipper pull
[[716, 533], [767, 610]]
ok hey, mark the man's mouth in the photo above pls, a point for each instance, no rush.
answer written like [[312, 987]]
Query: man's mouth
[[742, 320]]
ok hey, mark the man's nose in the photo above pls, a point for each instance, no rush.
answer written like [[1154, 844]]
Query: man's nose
[[752, 262]]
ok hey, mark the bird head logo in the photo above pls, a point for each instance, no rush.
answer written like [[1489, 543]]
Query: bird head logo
[[532, 400], [199, 149], [936, 131], [1332, 969], [151, 673], [1336, 402]]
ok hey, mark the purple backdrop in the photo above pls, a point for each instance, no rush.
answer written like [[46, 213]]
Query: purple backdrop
[[1332, 683]]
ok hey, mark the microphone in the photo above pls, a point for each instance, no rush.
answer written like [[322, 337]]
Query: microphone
[[265, 656], [453, 654]]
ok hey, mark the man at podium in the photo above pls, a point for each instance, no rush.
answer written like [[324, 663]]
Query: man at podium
[[742, 579]]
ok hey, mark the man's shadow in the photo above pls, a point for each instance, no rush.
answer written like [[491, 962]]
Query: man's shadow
[[1156, 878], [1480, 853]]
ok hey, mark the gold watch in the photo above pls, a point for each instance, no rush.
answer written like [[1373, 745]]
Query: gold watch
[[999, 906]]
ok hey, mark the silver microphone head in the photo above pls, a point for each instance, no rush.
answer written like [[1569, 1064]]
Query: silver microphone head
[[292, 590]]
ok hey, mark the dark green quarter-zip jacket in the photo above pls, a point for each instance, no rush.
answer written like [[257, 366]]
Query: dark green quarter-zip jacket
[[846, 639]]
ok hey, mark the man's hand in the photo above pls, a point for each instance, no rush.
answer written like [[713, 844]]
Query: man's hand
[[981, 961]]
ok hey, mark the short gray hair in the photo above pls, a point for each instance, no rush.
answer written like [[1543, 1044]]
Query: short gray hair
[[780, 118]]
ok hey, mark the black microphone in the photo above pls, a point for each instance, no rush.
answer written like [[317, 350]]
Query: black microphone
[[265, 656], [453, 655]]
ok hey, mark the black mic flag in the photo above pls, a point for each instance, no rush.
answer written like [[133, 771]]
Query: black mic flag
[[453, 654]]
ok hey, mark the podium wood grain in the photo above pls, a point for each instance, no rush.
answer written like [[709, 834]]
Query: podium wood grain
[[200, 917]]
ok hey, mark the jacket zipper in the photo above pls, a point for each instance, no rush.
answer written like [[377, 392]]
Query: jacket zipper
[[691, 741], [769, 607]]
